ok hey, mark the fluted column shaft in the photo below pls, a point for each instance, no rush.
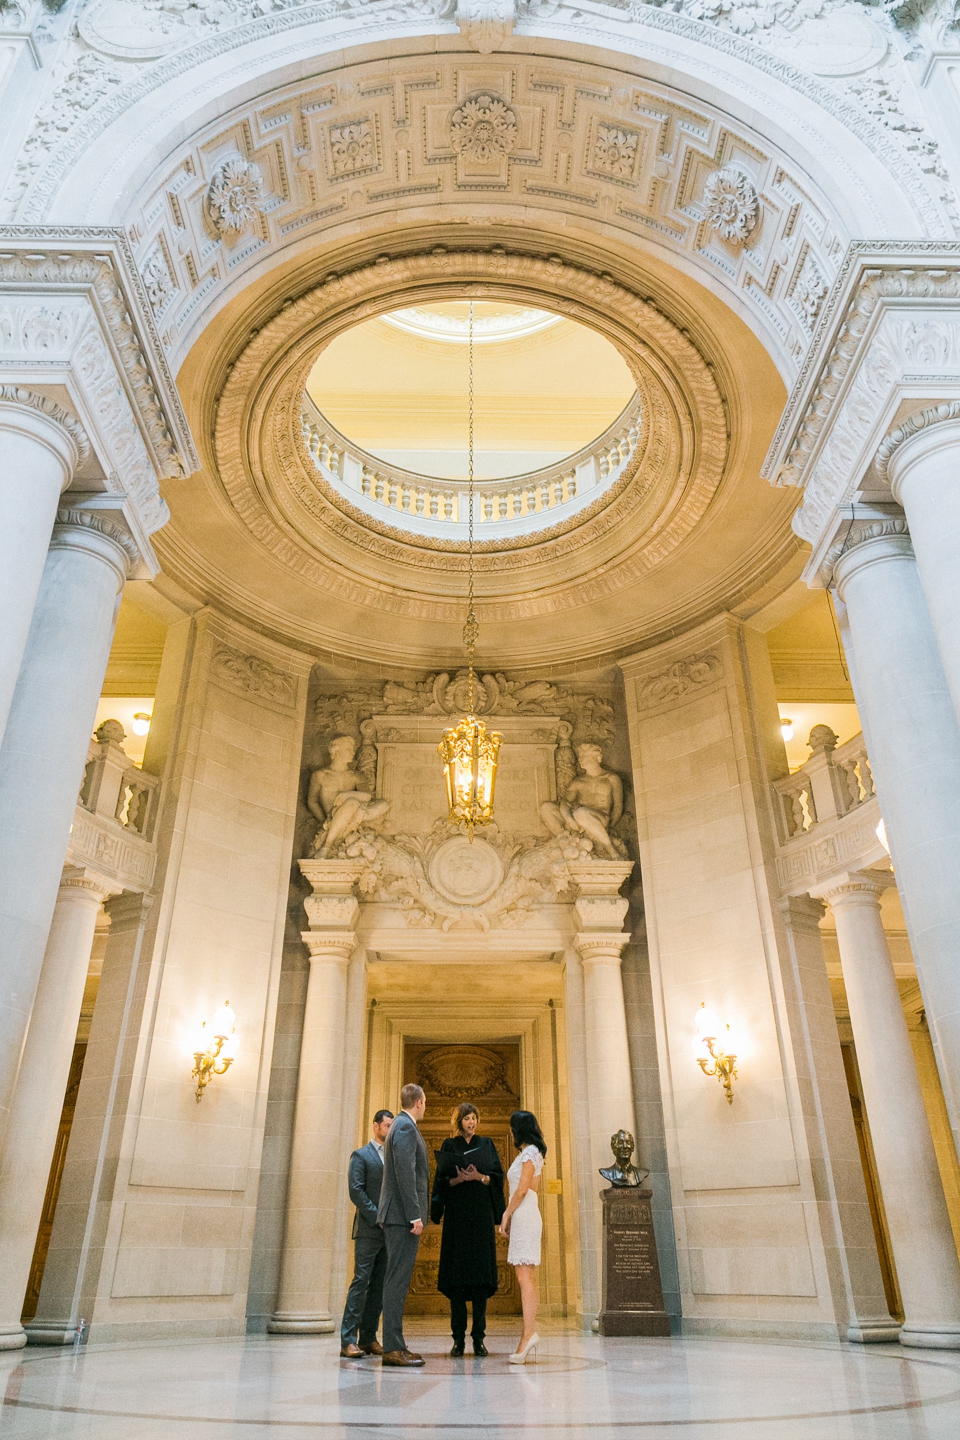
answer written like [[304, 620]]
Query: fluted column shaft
[[39, 448], [41, 1083], [913, 739], [43, 753], [916, 1211]]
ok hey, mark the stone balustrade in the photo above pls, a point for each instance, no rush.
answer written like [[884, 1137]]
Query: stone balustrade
[[828, 814], [513, 505], [113, 826]]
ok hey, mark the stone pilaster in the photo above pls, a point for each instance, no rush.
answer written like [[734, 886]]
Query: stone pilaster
[[316, 1174]]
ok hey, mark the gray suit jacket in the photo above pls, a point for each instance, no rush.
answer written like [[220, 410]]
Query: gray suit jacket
[[364, 1178], [404, 1195]]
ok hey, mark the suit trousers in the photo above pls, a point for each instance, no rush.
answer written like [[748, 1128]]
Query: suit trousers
[[458, 1316], [361, 1313], [402, 1247]]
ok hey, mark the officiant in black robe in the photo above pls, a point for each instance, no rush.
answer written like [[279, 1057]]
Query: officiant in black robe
[[468, 1198]]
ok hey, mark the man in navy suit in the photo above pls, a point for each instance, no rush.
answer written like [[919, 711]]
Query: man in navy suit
[[361, 1313]]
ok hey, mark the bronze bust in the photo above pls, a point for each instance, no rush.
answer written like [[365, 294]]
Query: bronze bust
[[623, 1173]]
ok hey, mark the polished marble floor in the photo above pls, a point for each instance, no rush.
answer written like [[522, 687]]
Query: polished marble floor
[[264, 1388]]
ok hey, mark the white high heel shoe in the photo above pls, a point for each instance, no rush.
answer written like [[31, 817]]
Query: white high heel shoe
[[520, 1358]]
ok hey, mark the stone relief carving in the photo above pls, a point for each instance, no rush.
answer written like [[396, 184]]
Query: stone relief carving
[[588, 717], [397, 870], [353, 148], [486, 24], [233, 197], [591, 805], [337, 799], [731, 205], [463, 1074], [809, 291], [678, 679], [484, 128], [615, 152], [158, 280], [252, 675]]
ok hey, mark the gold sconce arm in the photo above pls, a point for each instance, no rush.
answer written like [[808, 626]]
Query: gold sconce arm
[[206, 1066], [721, 1064]]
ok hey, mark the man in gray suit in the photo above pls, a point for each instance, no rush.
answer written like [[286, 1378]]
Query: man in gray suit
[[403, 1208], [365, 1296]]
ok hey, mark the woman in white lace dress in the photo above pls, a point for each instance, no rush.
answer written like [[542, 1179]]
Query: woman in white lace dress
[[522, 1223]]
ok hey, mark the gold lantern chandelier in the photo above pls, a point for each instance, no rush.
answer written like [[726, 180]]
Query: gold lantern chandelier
[[470, 752]]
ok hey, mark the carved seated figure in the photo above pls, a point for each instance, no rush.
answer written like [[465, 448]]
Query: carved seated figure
[[336, 799], [591, 805], [623, 1173]]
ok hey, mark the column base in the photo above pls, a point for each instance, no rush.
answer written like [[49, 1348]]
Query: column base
[[50, 1332], [873, 1332], [12, 1337], [299, 1322], [930, 1337]]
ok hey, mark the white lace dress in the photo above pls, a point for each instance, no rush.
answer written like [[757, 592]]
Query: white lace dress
[[526, 1227]]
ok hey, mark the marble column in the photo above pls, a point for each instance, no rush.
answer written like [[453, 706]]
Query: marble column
[[601, 912], [39, 449], [923, 1248], [316, 1169], [913, 740], [922, 462], [43, 753], [41, 1084]]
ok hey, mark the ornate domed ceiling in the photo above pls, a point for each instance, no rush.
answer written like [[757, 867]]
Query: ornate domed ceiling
[[687, 527]]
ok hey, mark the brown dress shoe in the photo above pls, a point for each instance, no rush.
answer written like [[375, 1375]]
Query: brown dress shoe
[[351, 1352], [374, 1348], [401, 1357]]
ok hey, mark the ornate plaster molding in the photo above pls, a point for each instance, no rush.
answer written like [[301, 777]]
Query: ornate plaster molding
[[860, 532], [252, 675], [912, 425], [74, 518], [18, 395], [640, 523], [104, 331]]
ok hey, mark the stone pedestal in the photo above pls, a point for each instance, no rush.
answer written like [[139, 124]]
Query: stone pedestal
[[632, 1294]]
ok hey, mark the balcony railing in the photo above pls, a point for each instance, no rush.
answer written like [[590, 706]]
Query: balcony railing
[[502, 508], [116, 812], [827, 813]]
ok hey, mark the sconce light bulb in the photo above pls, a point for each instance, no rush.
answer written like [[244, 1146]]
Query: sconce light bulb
[[706, 1022], [141, 723], [786, 729], [224, 1023]]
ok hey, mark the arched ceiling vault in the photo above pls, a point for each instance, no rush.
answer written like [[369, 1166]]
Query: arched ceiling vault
[[689, 531]]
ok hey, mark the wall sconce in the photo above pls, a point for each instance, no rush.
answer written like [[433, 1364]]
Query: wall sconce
[[215, 1051], [713, 1052], [140, 724], [786, 728]]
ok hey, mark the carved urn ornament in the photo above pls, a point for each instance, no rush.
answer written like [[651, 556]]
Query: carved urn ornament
[[470, 752]]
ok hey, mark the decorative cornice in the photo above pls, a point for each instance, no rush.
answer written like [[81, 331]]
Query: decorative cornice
[[912, 425], [71, 518], [17, 395], [871, 272], [100, 261]]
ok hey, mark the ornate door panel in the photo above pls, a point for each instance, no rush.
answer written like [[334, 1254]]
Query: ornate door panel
[[489, 1076]]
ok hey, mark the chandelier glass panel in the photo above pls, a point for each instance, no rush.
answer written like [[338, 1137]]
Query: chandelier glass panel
[[470, 752]]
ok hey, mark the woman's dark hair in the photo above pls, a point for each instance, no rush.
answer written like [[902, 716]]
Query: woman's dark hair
[[460, 1114], [526, 1130]]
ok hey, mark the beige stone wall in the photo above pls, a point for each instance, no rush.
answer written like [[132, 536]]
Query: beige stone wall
[[755, 1183], [154, 1227]]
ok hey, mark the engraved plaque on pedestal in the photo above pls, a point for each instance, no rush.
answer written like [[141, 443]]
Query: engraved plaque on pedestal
[[632, 1295]]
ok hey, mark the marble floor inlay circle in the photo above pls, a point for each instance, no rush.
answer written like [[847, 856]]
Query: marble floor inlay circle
[[256, 1386]]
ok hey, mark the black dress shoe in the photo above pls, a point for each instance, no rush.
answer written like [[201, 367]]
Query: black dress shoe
[[480, 1349], [457, 1352]]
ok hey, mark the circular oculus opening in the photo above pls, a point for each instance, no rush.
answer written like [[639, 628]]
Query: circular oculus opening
[[556, 416]]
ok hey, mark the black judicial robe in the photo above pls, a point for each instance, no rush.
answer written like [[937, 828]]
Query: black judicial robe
[[470, 1214]]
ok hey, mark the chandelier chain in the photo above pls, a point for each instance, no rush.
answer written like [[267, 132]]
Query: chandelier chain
[[471, 629]]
